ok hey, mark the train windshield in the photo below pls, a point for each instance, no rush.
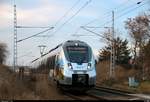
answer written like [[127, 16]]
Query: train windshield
[[78, 54]]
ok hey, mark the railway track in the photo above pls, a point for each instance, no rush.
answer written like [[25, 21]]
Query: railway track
[[112, 90], [102, 93], [113, 94], [97, 93], [82, 96]]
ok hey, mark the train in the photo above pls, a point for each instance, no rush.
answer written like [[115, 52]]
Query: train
[[71, 64]]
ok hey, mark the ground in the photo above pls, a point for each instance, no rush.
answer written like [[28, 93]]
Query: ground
[[121, 81], [37, 87]]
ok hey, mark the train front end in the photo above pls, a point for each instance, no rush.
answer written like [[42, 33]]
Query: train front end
[[79, 65]]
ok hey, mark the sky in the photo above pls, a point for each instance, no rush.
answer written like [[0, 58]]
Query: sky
[[66, 20]]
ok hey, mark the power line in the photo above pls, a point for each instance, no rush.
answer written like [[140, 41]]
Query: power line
[[44, 36], [112, 58], [85, 25], [131, 6], [73, 16], [129, 11], [106, 13], [97, 34], [74, 5], [92, 31], [35, 34], [30, 27], [116, 18], [68, 12]]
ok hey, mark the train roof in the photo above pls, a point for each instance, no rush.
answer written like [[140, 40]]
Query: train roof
[[67, 43], [75, 42]]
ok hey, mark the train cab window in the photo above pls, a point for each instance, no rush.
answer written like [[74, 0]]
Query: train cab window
[[78, 54]]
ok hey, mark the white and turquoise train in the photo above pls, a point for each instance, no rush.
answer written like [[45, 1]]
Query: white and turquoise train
[[71, 64]]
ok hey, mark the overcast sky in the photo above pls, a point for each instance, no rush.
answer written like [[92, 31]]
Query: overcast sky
[[66, 20]]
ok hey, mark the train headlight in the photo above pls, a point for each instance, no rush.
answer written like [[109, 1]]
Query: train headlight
[[70, 66], [89, 66]]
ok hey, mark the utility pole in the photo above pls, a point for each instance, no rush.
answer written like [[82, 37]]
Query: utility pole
[[15, 39], [112, 43], [112, 57]]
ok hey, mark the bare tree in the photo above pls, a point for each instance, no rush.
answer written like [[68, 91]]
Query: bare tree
[[3, 53], [138, 29]]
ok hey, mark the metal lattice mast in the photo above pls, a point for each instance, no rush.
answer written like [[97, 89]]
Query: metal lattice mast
[[112, 57], [15, 38]]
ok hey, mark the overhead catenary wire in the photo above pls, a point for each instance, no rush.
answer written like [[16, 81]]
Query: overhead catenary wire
[[73, 15], [44, 36], [129, 11], [35, 34], [97, 34], [107, 12], [120, 10], [30, 27], [97, 27], [116, 18], [74, 5], [59, 20], [46, 27]]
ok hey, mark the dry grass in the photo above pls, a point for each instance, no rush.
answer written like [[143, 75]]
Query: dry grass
[[102, 70], [45, 90], [144, 87], [37, 88], [121, 78], [11, 88], [121, 74]]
